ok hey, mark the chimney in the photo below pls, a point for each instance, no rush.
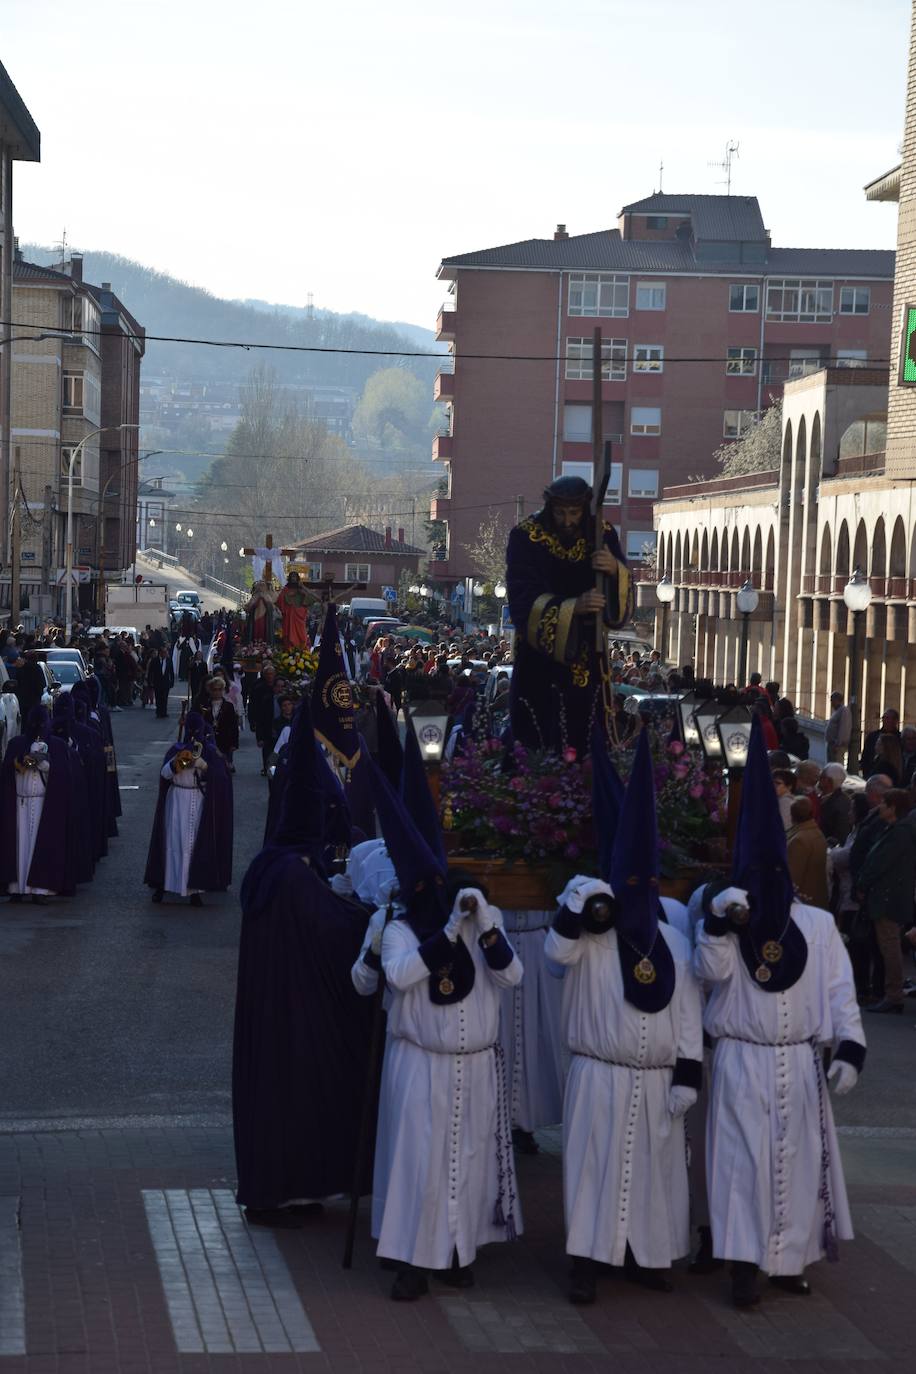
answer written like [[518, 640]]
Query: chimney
[[387, 536], [560, 232], [400, 536], [106, 285], [76, 266]]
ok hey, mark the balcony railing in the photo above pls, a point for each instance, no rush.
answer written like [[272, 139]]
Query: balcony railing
[[445, 322], [442, 447], [444, 386]]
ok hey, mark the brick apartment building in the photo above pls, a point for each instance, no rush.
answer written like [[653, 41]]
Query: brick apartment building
[[75, 369], [680, 277], [20, 141]]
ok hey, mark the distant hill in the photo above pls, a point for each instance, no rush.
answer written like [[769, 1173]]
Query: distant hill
[[419, 337], [166, 306]]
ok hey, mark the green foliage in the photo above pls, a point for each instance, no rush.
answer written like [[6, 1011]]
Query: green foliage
[[393, 412]]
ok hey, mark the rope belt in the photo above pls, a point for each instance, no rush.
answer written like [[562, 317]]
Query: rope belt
[[766, 1044], [620, 1063], [428, 1049]]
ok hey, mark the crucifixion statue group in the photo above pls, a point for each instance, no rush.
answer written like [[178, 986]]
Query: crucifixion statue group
[[286, 611]]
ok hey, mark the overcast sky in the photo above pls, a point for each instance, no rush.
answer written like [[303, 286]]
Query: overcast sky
[[282, 147]]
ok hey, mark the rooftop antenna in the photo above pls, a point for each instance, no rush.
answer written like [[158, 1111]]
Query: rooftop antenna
[[731, 152], [310, 306], [661, 173], [63, 246]]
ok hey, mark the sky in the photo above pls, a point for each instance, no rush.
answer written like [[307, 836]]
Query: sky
[[343, 148]]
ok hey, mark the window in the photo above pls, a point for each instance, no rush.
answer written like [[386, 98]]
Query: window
[[804, 361], [356, 572], [738, 422], [77, 467], [650, 295], [741, 362], [73, 391], [640, 544], [579, 354], [643, 482], [808, 302], [855, 300], [646, 420], [591, 293], [315, 573], [744, 300], [584, 470], [648, 358], [851, 357], [577, 424], [656, 221]]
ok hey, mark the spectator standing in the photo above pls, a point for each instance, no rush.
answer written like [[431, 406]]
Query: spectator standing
[[886, 881], [839, 729], [807, 849], [836, 808], [890, 725]]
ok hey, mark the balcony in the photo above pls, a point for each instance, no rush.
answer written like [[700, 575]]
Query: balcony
[[437, 569], [442, 448], [439, 507], [444, 386], [446, 321]]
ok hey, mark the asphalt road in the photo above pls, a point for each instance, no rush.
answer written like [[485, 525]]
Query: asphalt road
[[178, 578], [113, 1008]]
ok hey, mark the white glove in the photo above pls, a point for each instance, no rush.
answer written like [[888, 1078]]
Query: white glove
[[729, 896], [843, 1076], [376, 929], [342, 884], [454, 923], [681, 1099], [200, 765], [589, 887]]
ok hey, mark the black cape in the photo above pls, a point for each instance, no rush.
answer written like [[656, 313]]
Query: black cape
[[301, 1035]]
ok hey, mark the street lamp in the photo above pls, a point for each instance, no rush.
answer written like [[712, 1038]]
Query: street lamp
[[499, 591], [224, 546], [664, 590], [707, 719], [686, 707], [857, 595], [100, 522], [747, 601], [734, 729], [77, 453]]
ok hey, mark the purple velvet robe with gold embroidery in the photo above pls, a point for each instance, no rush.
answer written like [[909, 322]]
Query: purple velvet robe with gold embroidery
[[556, 678]]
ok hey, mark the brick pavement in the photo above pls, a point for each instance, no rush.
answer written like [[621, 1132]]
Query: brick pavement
[[134, 1259]]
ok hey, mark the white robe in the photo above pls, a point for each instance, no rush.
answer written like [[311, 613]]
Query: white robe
[[443, 1145], [768, 1097], [30, 803], [624, 1155], [183, 810], [530, 1027]]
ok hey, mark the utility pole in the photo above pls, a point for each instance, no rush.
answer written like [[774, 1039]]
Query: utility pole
[[519, 509], [47, 537], [15, 550]]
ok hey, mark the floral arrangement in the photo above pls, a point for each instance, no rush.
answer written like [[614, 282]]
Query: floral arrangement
[[536, 806], [258, 648], [295, 664]]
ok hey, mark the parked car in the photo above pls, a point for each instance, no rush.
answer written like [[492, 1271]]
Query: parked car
[[188, 598], [67, 672], [52, 684], [61, 655]]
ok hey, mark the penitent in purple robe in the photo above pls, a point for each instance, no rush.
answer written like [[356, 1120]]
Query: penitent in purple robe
[[211, 860], [51, 868]]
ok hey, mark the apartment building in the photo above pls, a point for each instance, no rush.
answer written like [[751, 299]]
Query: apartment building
[[20, 141], [75, 370], [702, 321]]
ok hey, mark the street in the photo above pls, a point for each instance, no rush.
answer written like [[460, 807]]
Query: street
[[121, 1247]]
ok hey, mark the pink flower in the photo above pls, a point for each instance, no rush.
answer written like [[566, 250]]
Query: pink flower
[[696, 791], [680, 770], [555, 800], [517, 784], [569, 755], [675, 747]]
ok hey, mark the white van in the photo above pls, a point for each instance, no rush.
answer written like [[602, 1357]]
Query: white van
[[363, 608]]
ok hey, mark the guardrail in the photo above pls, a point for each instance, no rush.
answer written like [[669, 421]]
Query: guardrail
[[213, 584]]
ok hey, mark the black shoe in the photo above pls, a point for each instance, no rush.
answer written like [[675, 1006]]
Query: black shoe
[[792, 1283], [524, 1142], [16, 897], [583, 1285], [39, 901], [280, 1218], [409, 1284], [704, 1261], [196, 899], [885, 1006], [745, 1292], [306, 1209], [157, 895], [657, 1280], [456, 1276]]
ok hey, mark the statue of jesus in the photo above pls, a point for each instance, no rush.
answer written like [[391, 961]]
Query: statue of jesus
[[293, 603], [261, 615]]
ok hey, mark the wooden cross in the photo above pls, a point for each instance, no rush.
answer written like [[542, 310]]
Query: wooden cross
[[329, 590], [268, 564]]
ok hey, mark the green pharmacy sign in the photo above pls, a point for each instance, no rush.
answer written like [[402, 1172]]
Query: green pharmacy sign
[[908, 347]]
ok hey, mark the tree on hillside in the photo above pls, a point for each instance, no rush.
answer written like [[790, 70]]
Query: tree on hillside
[[758, 450], [394, 411]]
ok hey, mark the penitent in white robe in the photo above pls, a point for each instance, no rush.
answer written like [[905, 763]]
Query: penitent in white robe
[[769, 1099], [30, 803], [443, 1146], [530, 1027], [624, 1155], [183, 810]]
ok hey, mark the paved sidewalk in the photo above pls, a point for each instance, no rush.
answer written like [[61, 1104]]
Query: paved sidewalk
[[121, 1249]]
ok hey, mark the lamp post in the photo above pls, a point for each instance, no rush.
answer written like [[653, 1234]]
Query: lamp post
[[100, 522], [707, 719], [734, 729], [71, 465], [857, 596], [664, 590], [747, 601], [430, 722], [689, 730]]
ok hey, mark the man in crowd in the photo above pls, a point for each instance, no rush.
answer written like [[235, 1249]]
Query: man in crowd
[[551, 574], [807, 852], [836, 808], [161, 677], [886, 882], [634, 1030], [890, 725], [780, 991], [263, 711], [839, 729]]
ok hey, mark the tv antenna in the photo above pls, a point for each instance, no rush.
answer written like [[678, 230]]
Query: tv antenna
[[731, 152], [63, 246], [661, 173], [310, 306]]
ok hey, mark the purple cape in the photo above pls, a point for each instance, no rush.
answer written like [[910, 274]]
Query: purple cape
[[300, 1053], [211, 862], [52, 861]]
